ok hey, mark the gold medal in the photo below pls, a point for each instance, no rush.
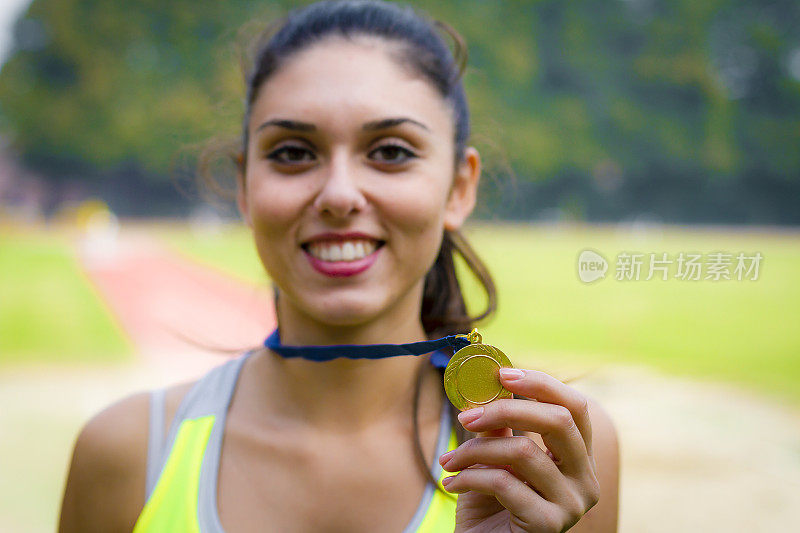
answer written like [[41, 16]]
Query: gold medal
[[472, 375]]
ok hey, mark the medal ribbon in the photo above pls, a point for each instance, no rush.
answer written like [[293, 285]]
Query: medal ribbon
[[439, 358]]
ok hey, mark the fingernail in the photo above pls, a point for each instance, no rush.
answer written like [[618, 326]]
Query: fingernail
[[446, 481], [470, 415], [511, 373], [446, 457]]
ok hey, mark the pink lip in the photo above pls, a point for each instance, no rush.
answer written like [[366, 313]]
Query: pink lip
[[341, 269], [341, 236]]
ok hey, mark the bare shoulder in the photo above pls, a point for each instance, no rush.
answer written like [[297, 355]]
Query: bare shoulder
[[106, 482], [107, 473], [603, 517]]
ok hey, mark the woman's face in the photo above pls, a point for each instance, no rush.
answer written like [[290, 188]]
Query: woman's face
[[350, 181]]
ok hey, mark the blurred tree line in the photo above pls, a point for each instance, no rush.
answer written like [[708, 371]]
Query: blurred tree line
[[673, 110]]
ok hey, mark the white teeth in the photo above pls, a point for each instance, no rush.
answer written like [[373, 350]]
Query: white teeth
[[324, 253], [342, 251], [348, 251]]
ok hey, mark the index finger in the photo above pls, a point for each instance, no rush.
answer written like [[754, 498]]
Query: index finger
[[542, 387]]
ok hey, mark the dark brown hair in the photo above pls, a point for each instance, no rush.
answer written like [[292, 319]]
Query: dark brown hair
[[423, 49]]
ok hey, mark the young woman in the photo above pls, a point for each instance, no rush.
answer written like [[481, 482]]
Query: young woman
[[354, 177]]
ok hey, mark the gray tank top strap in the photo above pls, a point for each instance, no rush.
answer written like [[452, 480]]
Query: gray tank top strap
[[221, 386], [445, 428], [155, 439], [211, 395]]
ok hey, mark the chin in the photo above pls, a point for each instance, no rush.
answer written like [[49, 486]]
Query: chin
[[341, 311], [345, 317]]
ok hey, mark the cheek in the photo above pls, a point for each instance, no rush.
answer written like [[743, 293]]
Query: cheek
[[274, 209], [417, 212], [422, 197], [275, 204]]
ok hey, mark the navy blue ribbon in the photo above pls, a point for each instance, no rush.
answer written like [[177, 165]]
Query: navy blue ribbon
[[439, 357]]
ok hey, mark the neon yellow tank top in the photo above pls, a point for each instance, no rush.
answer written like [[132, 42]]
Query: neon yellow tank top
[[180, 493]]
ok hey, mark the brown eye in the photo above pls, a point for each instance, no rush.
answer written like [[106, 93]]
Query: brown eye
[[391, 153], [290, 155]]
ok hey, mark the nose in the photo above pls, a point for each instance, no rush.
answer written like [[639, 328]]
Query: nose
[[340, 194]]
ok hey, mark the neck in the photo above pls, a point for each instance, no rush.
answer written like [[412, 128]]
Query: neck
[[347, 395], [297, 329]]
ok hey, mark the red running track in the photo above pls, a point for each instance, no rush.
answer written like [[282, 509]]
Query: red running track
[[176, 311]]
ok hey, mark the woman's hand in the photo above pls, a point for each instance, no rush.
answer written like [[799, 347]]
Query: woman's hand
[[509, 483]]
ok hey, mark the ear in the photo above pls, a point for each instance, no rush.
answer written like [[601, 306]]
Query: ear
[[461, 201], [241, 189]]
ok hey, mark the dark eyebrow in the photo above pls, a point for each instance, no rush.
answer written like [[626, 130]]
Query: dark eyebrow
[[369, 126], [390, 122], [288, 124]]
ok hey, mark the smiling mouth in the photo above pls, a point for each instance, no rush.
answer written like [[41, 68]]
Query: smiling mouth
[[342, 251]]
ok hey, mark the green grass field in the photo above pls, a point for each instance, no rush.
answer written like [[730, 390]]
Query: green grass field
[[739, 331], [743, 332], [230, 249], [48, 310]]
